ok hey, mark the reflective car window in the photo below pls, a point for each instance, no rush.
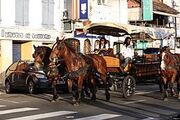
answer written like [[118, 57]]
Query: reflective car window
[[12, 68]]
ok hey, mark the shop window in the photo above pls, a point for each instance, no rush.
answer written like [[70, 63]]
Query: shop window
[[96, 45], [87, 46], [48, 13], [22, 12], [16, 51], [74, 44]]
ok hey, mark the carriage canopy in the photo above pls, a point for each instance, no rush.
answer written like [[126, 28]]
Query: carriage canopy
[[108, 28]]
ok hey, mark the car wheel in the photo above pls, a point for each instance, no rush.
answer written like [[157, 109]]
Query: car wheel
[[8, 87], [31, 87]]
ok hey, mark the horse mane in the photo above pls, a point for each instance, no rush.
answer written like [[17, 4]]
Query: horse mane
[[69, 47], [67, 44]]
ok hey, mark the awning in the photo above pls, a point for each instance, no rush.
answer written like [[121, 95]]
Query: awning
[[107, 28], [150, 33], [166, 14]]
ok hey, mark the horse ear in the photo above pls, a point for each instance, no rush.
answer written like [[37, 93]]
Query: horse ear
[[57, 39], [34, 47], [63, 38]]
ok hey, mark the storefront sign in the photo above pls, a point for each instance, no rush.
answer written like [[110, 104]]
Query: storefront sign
[[16, 34]]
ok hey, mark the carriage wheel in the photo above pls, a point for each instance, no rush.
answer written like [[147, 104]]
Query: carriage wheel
[[128, 86]]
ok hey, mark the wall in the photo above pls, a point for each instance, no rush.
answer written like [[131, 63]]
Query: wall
[[27, 50], [112, 11], [7, 12], [5, 58]]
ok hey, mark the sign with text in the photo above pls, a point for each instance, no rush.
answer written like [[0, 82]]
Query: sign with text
[[83, 9], [28, 34], [147, 9]]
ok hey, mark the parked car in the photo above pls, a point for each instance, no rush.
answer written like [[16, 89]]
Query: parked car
[[20, 75]]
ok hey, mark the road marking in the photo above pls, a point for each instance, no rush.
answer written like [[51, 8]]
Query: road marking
[[10, 101], [2, 106], [99, 117], [44, 115], [132, 102], [145, 92], [17, 110], [149, 118]]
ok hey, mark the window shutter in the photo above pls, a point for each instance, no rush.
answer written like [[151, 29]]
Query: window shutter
[[45, 13], [48, 13], [18, 12], [26, 12], [22, 12], [51, 14]]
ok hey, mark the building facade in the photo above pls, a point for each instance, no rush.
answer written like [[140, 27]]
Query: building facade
[[24, 23], [78, 12]]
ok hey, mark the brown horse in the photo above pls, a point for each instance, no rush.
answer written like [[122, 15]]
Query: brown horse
[[79, 67], [41, 59], [97, 74], [169, 71], [41, 56]]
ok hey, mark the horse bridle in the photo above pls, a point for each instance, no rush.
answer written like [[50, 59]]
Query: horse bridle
[[56, 59]]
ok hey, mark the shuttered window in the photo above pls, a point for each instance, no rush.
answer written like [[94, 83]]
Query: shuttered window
[[48, 13], [22, 12]]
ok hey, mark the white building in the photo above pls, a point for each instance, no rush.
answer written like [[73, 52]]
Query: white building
[[94, 11], [24, 23]]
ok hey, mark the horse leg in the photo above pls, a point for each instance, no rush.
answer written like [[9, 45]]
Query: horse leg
[[106, 83], [171, 85], [55, 93], [160, 82], [178, 88], [85, 89], [165, 92], [69, 82], [173, 93], [93, 89], [80, 85], [74, 92], [107, 92]]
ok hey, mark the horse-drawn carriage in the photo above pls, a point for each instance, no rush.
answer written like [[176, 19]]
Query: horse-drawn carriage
[[143, 67], [121, 78]]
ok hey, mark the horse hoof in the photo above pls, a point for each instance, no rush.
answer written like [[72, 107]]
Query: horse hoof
[[165, 99], [53, 101], [76, 104]]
